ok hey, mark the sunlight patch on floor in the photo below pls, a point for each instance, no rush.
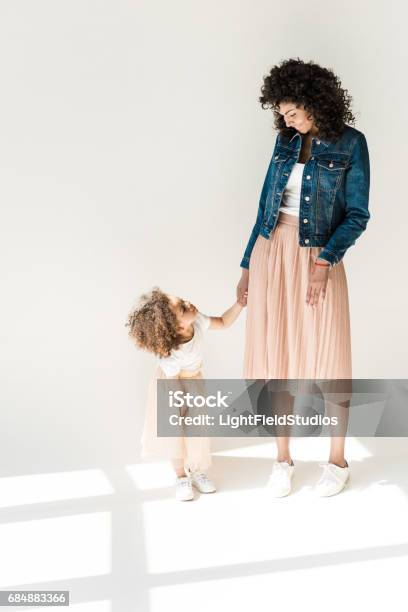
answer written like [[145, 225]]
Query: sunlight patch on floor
[[40, 488], [151, 475], [55, 548], [248, 526], [323, 588]]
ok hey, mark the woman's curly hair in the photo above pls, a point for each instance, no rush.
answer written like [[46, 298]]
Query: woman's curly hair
[[153, 324], [317, 89]]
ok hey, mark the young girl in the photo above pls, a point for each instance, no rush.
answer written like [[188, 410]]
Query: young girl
[[173, 329]]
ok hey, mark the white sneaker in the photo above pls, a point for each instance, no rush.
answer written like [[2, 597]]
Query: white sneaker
[[184, 489], [279, 482], [201, 481], [333, 480]]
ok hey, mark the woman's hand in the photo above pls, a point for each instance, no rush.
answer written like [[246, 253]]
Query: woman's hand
[[319, 275], [242, 287]]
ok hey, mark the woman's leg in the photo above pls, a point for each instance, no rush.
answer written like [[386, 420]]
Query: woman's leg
[[338, 438], [283, 405]]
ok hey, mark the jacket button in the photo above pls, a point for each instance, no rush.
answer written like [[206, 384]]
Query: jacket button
[[331, 165], [304, 220], [276, 156], [306, 240], [317, 141], [308, 177], [307, 198]]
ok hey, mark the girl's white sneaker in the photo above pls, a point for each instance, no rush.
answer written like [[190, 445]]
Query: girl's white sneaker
[[184, 489], [333, 480], [201, 481], [280, 480]]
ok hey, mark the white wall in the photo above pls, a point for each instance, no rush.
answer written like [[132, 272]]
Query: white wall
[[132, 153]]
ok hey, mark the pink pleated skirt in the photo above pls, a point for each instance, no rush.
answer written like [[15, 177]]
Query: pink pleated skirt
[[194, 452], [285, 336]]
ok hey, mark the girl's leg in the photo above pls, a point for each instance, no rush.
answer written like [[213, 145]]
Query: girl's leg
[[198, 453], [178, 466], [184, 485], [198, 460], [197, 449]]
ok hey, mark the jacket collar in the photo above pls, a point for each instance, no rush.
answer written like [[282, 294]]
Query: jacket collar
[[316, 138]]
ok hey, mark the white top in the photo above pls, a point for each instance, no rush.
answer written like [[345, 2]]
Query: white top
[[189, 355], [291, 193]]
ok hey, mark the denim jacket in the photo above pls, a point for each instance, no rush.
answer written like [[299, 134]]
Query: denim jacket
[[334, 193]]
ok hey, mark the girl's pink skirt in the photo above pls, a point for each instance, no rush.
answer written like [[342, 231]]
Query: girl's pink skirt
[[193, 452], [286, 337]]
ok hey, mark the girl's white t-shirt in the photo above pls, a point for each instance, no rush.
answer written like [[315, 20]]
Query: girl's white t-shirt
[[189, 354]]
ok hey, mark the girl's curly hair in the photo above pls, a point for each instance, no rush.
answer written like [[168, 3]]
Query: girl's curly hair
[[153, 325], [317, 89]]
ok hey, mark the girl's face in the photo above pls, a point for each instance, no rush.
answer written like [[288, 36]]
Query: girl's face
[[297, 117], [185, 312]]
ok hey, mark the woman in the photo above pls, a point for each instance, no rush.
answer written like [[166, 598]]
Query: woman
[[313, 207]]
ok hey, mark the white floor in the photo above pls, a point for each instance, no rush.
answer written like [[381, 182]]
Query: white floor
[[119, 542]]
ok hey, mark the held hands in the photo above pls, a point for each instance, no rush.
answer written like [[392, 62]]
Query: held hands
[[319, 275], [242, 287]]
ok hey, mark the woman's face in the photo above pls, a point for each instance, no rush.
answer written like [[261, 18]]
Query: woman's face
[[297, 117], [185, 312]]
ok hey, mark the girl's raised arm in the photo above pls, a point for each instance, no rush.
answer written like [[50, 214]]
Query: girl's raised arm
[[226, 319]]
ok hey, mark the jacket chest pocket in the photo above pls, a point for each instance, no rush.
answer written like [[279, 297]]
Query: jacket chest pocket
[[278, 160], [277, 165], [330, 172]]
